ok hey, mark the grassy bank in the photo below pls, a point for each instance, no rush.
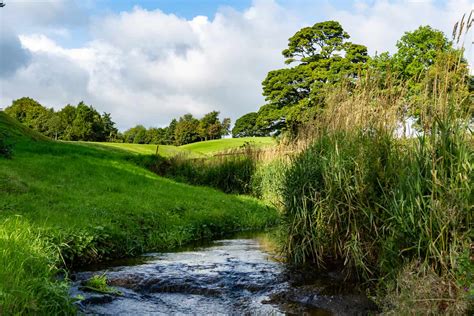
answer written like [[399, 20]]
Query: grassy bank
[[195, 150], [65, 204]]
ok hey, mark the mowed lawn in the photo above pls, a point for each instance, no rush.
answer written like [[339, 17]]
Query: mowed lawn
[[66, 203]]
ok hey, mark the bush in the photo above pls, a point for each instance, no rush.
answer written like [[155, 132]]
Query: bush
[[6, 149]]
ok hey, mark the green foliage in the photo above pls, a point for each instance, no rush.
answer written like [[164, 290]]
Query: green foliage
[[80, 203], [295, 95], [231, 174], [98, 283], [268, 180], [245, 126], [186, 130], [28, 112], [417, 51], [136, 135], [319, 41], [6, 149], [70, 123], [28, 274], [361, 198]]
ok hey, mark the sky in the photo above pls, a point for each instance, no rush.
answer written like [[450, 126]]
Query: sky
[[146, 62]]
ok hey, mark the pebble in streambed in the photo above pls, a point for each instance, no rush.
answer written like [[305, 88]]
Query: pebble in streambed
[[231, 277]]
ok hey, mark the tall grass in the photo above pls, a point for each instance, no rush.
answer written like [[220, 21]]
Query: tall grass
[[365, 198], [28, 273]]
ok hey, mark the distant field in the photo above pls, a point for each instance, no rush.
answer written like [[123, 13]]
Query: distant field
[[163, 150], [214, 146], [195, 149]]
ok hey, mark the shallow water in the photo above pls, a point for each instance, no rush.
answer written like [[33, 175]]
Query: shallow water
[[232, 276]]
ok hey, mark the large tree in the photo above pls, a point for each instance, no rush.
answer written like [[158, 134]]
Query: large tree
[[322, 55], [186, 131], [29, 112], [417, 51]]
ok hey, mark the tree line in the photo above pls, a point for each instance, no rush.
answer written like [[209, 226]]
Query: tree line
[[84, 123], [81, 122], [185, 130]]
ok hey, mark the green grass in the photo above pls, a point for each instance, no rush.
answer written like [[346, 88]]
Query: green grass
[[66, 203], [194, 150], [218, 145], [144, 149]]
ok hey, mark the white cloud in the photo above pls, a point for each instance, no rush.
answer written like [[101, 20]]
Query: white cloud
[[147, 66]]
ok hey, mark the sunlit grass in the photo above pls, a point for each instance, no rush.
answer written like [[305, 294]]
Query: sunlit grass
[[194, 150], [79, 203]]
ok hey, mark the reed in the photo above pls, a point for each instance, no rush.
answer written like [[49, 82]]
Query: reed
[[370, 198]]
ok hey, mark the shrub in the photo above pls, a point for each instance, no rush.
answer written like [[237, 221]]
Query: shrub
[[6, 149]]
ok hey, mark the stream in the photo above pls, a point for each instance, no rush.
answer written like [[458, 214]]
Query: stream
[[235, 276]]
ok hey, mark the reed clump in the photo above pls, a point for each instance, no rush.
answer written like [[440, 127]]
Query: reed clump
[[375, 199]]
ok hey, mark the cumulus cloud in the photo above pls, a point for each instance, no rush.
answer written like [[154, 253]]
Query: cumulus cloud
[[146, 66]]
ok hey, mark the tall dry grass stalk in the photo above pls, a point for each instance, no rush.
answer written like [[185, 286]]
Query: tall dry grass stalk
[[369, 198]]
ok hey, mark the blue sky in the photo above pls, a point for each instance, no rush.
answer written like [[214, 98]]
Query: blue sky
[[147, 61], [183, 8]]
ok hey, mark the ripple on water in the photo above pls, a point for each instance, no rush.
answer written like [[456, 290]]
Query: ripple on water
[[232, 276]]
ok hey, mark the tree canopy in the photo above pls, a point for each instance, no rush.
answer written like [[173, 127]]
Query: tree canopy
[[81, 122], [187, 129], [322, 55]]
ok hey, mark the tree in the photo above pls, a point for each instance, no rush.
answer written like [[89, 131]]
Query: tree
[[110, 131], [209, 126], [318, 41], [54, 126], [28, 112], [140, 135], [70, 123], [245, 126], [135, 135], [186, 131], [323, 56], [418, 50], [225, 127], [156, 136], [170, 132], [66, 117]]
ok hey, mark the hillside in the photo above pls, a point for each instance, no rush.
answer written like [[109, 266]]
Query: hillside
[[11, 129], [199, 149], [69, 203], [217, 145]]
